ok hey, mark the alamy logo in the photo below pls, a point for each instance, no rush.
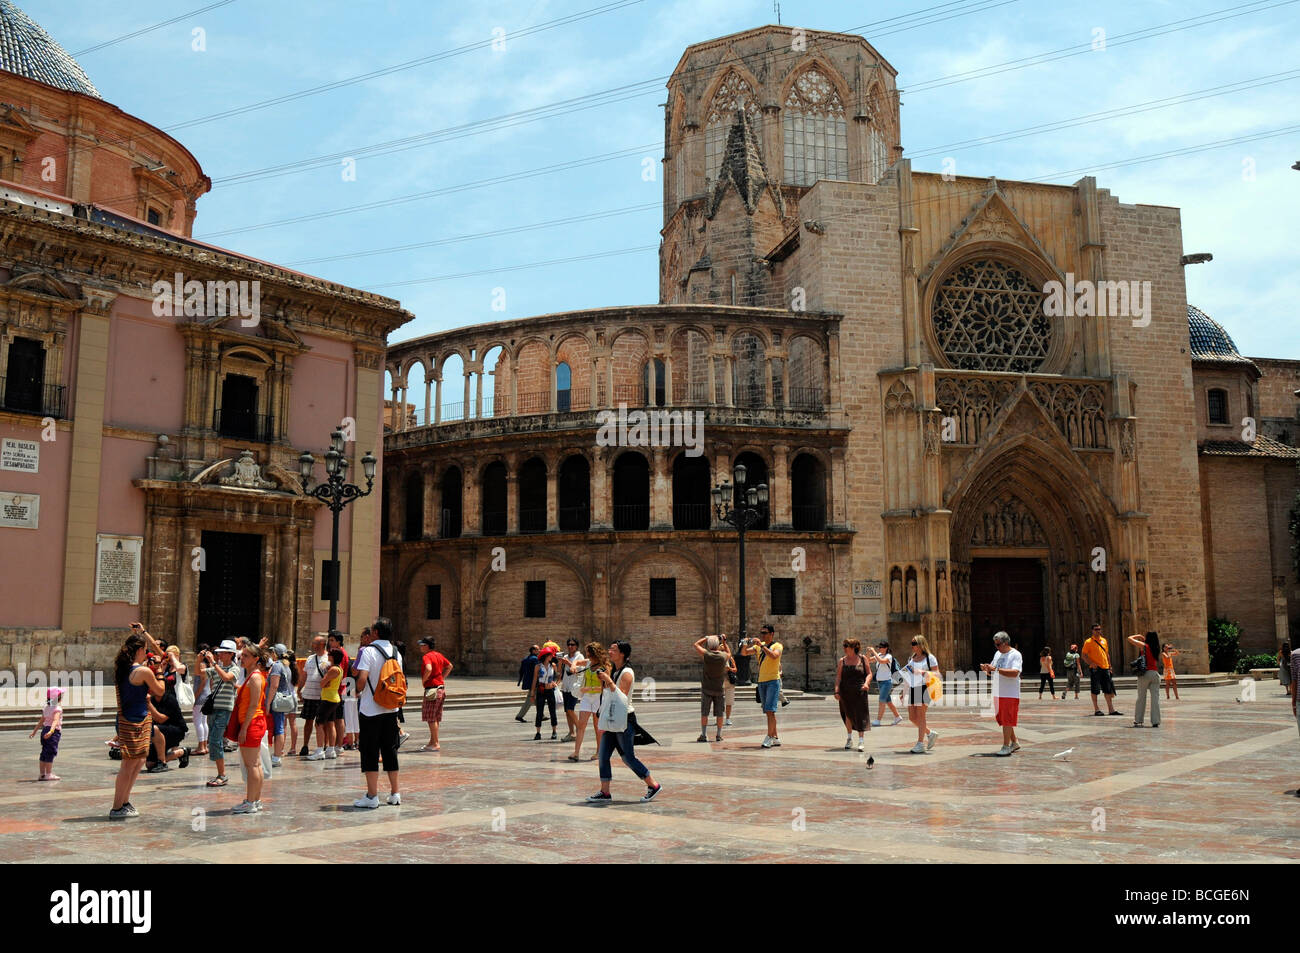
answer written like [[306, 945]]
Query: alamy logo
[[655, 428], [1100, 299], [77, 906], [210, 299]]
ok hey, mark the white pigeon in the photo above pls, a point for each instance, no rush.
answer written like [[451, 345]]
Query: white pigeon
[[1064, 755]]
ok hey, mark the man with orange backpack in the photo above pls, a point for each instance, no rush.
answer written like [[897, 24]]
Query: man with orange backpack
[[381, 688]]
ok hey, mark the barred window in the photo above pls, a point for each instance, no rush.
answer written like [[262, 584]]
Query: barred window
[[733, 95], [814, 131], [535, 599], [988, 316], [433, 602], [663, 597], [783, 596], [1218, 405]]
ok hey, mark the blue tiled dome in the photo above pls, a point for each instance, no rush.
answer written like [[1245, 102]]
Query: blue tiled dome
[[29, 51], [1209, 341]]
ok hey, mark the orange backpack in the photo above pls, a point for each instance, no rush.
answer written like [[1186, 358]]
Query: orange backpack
[[391, 692]]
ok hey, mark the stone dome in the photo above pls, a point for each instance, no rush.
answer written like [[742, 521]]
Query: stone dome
[[29, 51], [1209, 341]]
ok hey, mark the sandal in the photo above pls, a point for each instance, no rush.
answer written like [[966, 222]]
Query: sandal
[[574, 757], [220, 781]]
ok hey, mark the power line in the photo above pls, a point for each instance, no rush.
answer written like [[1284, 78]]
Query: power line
[[150, 29], [522, 267]]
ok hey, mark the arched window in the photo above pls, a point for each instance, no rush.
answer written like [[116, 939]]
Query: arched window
[[807, 493], [449, 525], [691, 492], [988, 316], [733, 95], [532, 496], [877, 135], [563, 387], [749, 364], [814, 130], [494, 499], [1217, 403], [631, 492], [414, 526], [654, 386], [575, 494]]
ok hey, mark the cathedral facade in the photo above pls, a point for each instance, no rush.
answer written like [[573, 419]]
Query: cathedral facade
[[975, 404]]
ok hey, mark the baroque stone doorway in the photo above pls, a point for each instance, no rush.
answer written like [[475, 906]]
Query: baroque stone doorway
[[229, 587]]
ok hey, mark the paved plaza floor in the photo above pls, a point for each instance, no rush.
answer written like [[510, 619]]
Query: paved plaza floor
[[1214, 783]]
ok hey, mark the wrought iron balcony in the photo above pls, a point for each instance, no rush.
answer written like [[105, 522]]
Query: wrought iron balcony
[[24, 397]]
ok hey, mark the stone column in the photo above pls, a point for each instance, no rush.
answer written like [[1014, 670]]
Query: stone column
[[432, 511], [396, 490], [785, 382], [839, 503], [287, 581], [471, 522], [721, 471], [552, 494], [512, 496], [437, 400], [778, 487], [728, 381], [187, 587], [601, 461], [668, 380], [713, 381], [428, 401], [661, 497]]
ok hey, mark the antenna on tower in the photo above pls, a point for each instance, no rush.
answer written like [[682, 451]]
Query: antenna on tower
[[776, 6]]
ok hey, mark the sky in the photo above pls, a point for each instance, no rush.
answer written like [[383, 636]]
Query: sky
[[1240, 199]]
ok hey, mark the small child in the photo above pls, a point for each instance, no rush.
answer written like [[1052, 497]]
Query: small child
[[52, 722], [1170, 679]]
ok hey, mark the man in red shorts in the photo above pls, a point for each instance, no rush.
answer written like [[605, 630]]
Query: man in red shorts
[[1005, 669]]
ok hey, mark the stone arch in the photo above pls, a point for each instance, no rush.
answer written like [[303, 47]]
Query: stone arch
[[806, 372], [658, 639], [690, 348], [431, 568], [574, 349], [533, 375], [748, 348], [628, 351], [506, 615]]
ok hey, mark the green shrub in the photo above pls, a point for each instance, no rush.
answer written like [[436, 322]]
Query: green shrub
[[1248, 662], [1225, 645]]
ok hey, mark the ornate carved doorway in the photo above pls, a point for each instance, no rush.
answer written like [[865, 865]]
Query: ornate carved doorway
[[1008, 594], [229, 587]]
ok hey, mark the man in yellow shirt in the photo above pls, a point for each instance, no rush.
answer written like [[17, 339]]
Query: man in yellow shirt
[[769, 652], [1097, 654]]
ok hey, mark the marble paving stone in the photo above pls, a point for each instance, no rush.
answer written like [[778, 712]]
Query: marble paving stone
[[1214, 783]]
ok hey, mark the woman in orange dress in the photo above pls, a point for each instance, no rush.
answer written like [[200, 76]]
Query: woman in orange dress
[[252, 726], [1167, 657]]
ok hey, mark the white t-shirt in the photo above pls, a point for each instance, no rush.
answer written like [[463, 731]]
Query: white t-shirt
[[1004, 687], [915, 670], [573, 683], [369, 662], [313, 669], [883, 669]]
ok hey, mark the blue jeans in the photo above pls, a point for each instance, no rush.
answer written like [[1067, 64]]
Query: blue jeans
[[770, 692], [217, 722], [624, 741]]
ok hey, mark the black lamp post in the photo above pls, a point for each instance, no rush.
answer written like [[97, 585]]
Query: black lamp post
[[336, 493], [749, 509]]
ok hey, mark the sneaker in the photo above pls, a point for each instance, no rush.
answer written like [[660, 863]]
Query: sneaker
[[118, 814], [303, 752], [898, 720], [275, 762], [331, 753], [784, 701], [717, 737], [650, 793], [553, 735], [394, 799], [403, 738], [599, 796], [1004, 751], [767, 741], [1015, 746], [231, 746], [317, 755], [519, 718], [366, 801], [567, 738], [776, 742], [257, 805], [727, 723], [537, 736], [919, 748], [702, 737], [244, 807], [875, 724], [930, 738], [158, 768], [862, 746], [848, 743]]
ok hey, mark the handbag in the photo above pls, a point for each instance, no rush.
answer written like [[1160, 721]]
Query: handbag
[[184, 692], [283, 704], [207, 707], [1139, 665]]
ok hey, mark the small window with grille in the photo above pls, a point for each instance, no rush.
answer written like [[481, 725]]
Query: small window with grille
[[1218, 406], [663, 597], [535, 599], [783, 596]]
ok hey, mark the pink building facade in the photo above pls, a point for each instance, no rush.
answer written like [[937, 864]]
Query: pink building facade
[[156, 394]]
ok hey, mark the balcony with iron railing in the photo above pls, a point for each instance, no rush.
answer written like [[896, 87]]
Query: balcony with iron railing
[[25, 397], [239, 425]]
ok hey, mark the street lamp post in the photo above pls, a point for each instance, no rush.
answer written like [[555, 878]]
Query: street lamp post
[[749, 509], [336, 493]]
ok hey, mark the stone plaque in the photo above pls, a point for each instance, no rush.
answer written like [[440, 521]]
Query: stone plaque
[[117, 568], [23, 455], [19, 510], [866, 596]]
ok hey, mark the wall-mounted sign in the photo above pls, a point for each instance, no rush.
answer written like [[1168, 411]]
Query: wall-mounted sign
[[19, 510], [866, 596], [117, 568], [24, 455]]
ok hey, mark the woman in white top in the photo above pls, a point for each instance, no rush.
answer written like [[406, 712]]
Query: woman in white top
[[202, 689], [884, 663], [918, 674], [545, 677], [618, 721]]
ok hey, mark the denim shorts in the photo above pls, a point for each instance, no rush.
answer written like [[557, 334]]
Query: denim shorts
[[217, 722], [277, 723], [886, 690], [770, 693]]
